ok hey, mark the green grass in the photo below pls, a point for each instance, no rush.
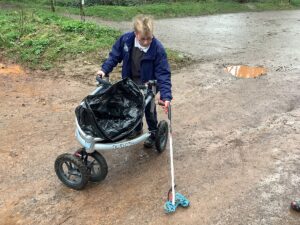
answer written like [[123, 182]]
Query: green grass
[[167, 10], [277, 5], [178, 60], [40, 39], [119, 13]]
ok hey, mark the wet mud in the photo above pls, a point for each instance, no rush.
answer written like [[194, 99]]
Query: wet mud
[[236, 141]]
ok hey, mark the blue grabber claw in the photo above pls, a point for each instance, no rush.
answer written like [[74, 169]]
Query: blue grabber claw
[[180, 200]]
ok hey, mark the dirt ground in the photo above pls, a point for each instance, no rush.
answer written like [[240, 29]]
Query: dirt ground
[[236, 141]]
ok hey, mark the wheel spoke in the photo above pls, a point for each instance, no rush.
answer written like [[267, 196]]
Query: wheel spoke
[[92, 170], [77, 175], [69, 165], [91, 163]]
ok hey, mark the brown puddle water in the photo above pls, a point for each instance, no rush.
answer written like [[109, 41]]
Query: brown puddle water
[[11, 70], [246, 71]]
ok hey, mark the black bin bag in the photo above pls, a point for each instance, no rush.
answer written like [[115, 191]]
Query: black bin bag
[[113, 112]]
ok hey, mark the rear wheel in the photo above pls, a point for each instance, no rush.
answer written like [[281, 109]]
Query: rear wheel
[[162, 134], [71, 171]]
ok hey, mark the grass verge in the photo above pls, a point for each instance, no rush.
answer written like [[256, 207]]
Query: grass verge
[[40, 39], [169, 10]]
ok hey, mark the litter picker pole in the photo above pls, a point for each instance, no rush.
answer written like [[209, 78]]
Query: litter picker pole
[[171, 155], [177, 198]]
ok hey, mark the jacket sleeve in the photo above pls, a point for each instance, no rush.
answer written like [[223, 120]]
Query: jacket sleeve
[[115, 57], [163, 75]]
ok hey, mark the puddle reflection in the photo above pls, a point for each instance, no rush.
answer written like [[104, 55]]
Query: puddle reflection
[[246, 71]]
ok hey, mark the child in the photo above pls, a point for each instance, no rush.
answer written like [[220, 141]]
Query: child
[[144, 58]]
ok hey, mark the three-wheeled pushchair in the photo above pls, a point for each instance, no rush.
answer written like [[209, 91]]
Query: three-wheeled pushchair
[[104, 120]]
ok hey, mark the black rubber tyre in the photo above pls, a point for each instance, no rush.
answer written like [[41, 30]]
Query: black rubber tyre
[[95, 163], [97, 166], [74, 168], [162, 134]]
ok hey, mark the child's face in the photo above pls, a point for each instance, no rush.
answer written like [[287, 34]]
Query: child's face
[[144, 40]]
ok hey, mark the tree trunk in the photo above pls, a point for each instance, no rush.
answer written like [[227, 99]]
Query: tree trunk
[[52, 5]]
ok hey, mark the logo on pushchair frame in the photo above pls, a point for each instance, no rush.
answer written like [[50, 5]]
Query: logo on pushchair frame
[[122, 145]]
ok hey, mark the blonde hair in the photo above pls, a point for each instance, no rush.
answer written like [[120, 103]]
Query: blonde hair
[[143, 24]]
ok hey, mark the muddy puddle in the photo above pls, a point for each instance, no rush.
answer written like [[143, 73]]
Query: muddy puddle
[[246, 71]]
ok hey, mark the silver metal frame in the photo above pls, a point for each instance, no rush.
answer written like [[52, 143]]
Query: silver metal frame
[[90, 143]]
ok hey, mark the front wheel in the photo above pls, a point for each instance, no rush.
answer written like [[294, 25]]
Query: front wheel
[[162, 134], [95, 163], [71, 171]]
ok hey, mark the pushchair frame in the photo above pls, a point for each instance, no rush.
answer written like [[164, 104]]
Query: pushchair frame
[[81, 164], [92, 144]]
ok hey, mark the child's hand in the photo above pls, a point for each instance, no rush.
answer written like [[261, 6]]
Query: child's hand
[[100, 74], [165, 105]]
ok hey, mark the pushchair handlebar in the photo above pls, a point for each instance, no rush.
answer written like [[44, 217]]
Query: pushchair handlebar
[[101, 81], [148, 85], [142, 87]]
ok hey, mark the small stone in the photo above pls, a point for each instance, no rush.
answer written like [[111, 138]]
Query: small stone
[[13, 154], [34, 200], [87, 63], [289, 122], [23, 105]]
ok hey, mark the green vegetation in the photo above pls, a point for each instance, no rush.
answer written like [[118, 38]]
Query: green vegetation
[[39, 39], [178, 60], [167, 10], [126, 9]]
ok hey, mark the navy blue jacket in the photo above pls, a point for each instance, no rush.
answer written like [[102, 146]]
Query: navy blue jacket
[[154, 64]]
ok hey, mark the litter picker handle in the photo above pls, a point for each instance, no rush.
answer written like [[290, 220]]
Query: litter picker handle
[[101, 81], [162, 103]]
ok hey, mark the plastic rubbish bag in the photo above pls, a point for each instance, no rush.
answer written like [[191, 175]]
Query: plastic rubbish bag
[[113, 112]]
